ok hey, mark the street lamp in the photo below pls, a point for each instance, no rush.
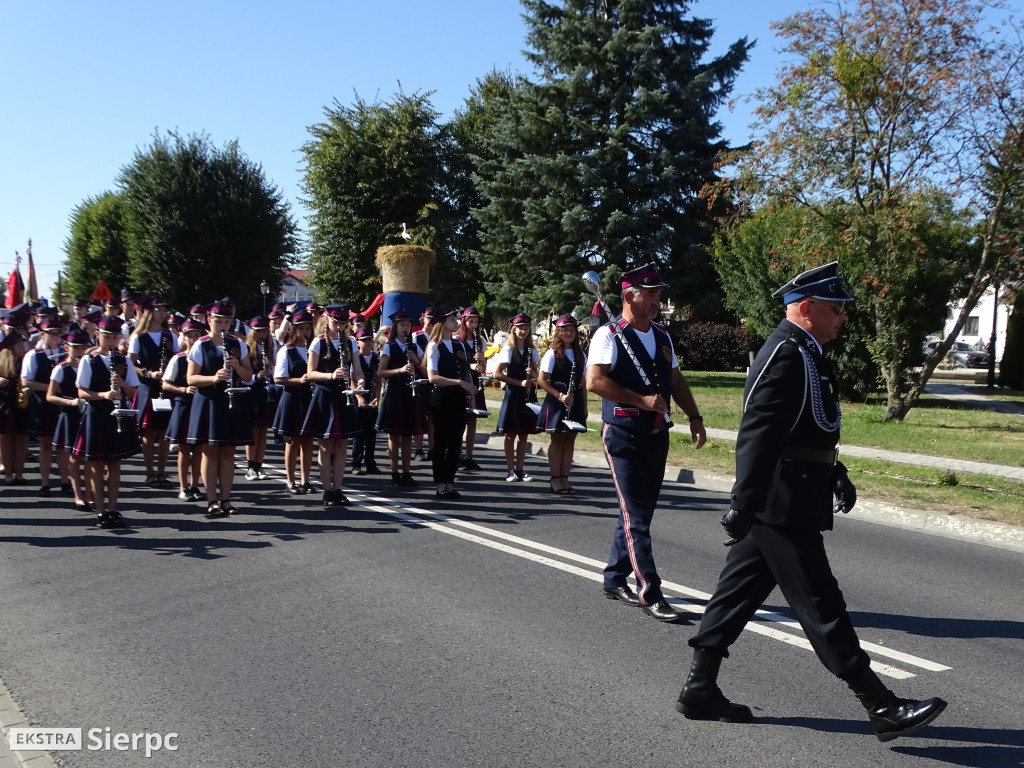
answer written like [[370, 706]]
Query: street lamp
[[264, 289]]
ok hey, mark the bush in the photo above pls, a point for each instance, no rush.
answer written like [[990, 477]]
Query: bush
[[714, 347]]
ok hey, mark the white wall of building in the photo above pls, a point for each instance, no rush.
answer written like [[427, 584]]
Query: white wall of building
[[978, 329]]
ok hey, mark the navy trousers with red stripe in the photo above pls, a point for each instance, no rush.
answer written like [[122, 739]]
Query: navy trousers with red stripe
[[638, 468]]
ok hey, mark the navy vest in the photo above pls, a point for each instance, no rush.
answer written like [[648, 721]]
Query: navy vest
[[625, 374]]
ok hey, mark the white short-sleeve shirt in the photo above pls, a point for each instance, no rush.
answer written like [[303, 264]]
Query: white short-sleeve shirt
[[84, 378], [604, 350], [547, 363]]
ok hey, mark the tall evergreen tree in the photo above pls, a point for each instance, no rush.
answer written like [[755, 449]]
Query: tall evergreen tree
[[601, 162]]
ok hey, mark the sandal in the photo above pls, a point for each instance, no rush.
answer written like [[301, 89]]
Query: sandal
[[228, 508], [213, 509], [559, 491], [152, 481]]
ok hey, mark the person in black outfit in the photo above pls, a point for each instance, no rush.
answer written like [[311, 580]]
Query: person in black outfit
[[448, 371], [786, 478]]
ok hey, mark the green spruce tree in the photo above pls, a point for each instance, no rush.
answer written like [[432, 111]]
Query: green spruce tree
[[601, 161]]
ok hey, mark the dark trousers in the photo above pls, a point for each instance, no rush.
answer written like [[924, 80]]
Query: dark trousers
[[448, 413], [364, 445], [796, 561], [638, 468]]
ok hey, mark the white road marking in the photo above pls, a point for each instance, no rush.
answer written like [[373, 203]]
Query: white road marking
[[479, 534]]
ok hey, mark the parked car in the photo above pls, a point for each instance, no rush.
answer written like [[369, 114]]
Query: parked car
[[963, 355]]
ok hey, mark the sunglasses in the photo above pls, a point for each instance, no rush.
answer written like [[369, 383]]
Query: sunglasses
[[838, 309]]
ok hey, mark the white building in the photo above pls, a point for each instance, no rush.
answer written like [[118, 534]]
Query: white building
[[294, 288], [978, 329]]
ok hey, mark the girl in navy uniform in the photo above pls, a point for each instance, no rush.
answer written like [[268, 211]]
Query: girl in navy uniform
[[448, 370], [13, 437], [517, 362], [150, 348], [421, 338], [261, 353], [106, 381], [41, 416], [290, 371], [63, 394], [563, 377], [364, 445], [333, 416], [218, 364], [473, 342], [404, 402], [176, 385]]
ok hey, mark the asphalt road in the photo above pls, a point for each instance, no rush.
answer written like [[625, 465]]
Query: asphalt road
[[383, 636]]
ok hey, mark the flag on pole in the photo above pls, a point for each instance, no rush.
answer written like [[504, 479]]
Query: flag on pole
[[101, 292], [32, 290], [14, 285]]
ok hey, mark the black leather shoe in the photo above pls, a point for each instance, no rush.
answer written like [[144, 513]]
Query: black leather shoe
[[296, 489], [662, 611], [904, 716], [625, 594]]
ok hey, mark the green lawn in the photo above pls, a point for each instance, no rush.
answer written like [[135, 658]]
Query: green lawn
[[934, 427]]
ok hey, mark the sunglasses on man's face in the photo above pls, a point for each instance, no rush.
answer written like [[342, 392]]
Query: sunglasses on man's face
[[838, 309]]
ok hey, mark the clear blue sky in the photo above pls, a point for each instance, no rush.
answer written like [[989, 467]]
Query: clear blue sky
[[85, 84]]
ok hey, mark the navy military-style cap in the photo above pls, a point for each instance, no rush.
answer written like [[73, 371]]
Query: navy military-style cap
[[111, 325], [521, 319], [400, 314], [822, 282], [646, 276], [337, 311]]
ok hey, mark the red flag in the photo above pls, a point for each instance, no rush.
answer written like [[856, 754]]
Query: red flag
[[101, 292], [14, 288], [32, 290]]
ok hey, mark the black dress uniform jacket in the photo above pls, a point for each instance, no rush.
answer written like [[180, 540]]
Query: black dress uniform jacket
[[785, 449]]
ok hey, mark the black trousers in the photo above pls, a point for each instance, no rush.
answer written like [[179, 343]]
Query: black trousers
[[365, 443], [448, 413], [796, 561]]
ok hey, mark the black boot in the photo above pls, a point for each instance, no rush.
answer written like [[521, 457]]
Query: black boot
[[702, 699], [889, 715]]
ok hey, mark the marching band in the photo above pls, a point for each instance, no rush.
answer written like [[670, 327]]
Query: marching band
[[99, 387]]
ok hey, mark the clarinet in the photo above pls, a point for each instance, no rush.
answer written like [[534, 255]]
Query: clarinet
[[574, 426], [345, 351], [120, 412], [227, 367], [467, 375], [412, 357], [531, 385], [158, 390]]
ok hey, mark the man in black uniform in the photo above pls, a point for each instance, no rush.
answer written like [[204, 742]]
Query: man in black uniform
[[786, 477]]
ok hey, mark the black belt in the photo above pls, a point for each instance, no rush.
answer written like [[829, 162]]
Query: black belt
[[820, 455]]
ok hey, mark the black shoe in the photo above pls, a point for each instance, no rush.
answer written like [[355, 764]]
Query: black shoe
[[197, 495], [66, 489], [296, 490], [307, 487], [901, 717], [702, 699], [396, 478], [373, 469], [452, 494], [82, 506], [44, 491], [662, 611], [407, 480], [329, 498], [340, 499], [625, 594]]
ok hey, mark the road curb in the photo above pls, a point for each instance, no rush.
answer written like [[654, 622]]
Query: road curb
[[11, 716], [931, 522]]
